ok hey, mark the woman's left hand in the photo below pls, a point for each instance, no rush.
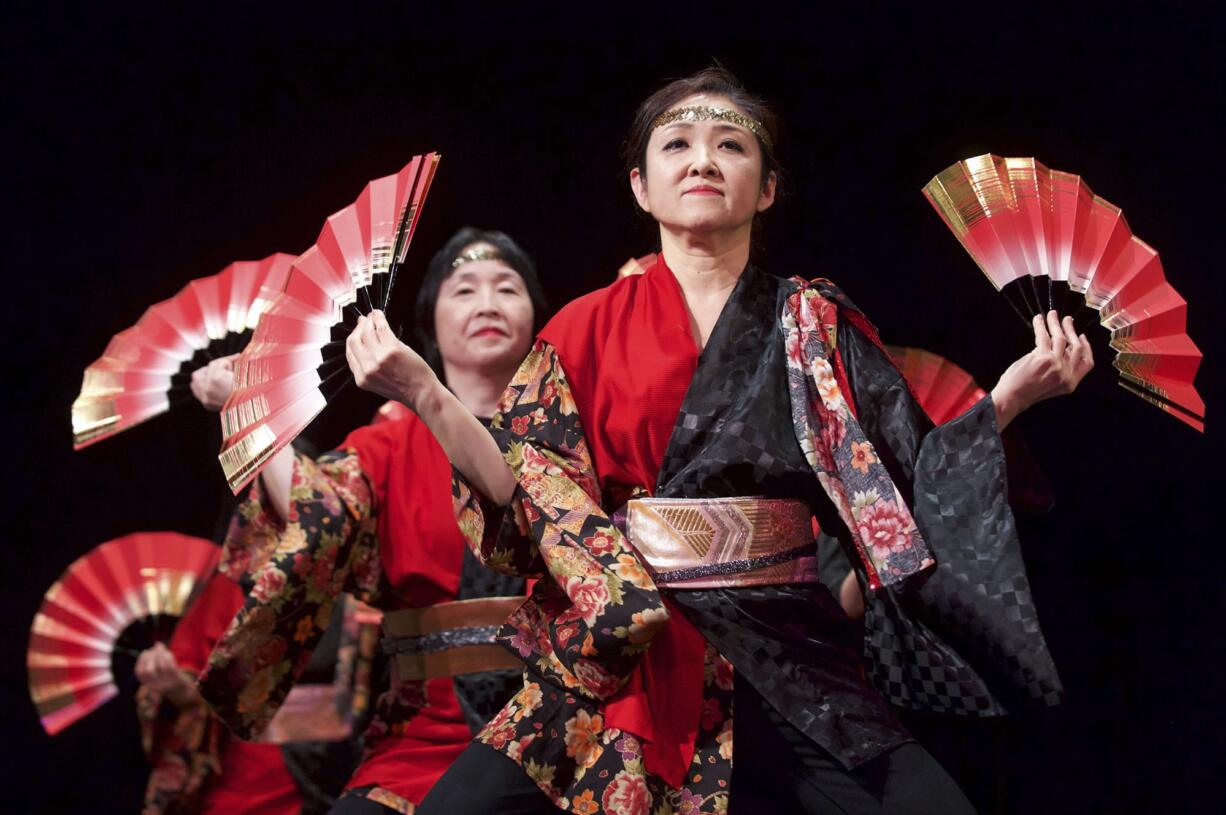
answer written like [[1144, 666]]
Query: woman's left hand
[[1060, 360], [383, 364]]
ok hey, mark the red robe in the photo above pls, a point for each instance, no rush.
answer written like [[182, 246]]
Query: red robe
[[375, 519], [252, 778]]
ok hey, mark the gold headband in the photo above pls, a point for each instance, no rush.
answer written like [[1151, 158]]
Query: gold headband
[[475, 254], [703, 113]]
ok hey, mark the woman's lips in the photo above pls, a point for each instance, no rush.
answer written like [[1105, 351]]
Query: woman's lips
[[490, 332], [702, 191]]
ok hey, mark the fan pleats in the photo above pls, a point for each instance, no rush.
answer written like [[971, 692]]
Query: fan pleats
[[295, 363], [135, 378], [1046, 241], [75, 632]]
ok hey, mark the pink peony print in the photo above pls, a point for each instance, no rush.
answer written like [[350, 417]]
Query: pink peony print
[[597, 680], [627, 794], [590, 596], [269, 583], [884, 528]]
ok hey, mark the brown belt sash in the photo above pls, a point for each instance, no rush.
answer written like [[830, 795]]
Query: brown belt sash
[[449, 639], [702, 543]]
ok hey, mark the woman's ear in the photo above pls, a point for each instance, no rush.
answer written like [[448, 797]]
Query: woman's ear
[[638, 184], [767, 195]]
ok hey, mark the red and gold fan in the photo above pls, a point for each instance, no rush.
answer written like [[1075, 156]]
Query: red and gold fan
[[147, 368], [944, 390], [291, 368], [1045, 240], [145, 578]]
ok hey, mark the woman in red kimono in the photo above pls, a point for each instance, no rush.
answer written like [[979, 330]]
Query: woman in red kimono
[[196, 767], [669, 440], [374, 518]]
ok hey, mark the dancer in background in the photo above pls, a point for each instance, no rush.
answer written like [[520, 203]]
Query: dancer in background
[[197, 766], [375, 518], [663, 632]]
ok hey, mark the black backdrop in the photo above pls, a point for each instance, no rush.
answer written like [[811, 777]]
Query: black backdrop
[[145, 149]]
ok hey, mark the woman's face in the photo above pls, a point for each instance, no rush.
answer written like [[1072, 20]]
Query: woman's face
[[483, 316], [703, 176]]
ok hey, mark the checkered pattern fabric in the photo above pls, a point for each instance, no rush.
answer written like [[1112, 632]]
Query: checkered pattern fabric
[[964, 638], [734, 435]]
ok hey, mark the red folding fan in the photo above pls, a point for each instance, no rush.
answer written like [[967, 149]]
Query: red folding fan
[[1045, 240], [291, 369], [147, 368], [944, 390], [143, 576]]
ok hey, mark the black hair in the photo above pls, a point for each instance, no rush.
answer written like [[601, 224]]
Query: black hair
[[440, 268]]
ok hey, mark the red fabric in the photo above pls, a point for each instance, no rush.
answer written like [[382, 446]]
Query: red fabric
[[420, 545], [253, 781], [253, 777], [204, 623], [629, 355], [410, 761], [422, 552]]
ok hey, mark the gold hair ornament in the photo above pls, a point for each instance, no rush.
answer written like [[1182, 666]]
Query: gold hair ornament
[[475, 254], [704, 113]]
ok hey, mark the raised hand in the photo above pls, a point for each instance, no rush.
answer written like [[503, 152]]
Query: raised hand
[[383, 364], [213, 384], [157, 670], [1060, 360]]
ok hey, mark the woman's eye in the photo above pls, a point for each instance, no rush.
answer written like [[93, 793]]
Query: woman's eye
[[508, 290], [733, 145], [464, 290], [675, 144]]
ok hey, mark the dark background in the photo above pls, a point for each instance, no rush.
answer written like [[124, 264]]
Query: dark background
[[145, 149]]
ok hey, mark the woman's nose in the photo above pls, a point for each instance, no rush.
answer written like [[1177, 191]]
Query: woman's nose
[[703, 163], [487, 302]]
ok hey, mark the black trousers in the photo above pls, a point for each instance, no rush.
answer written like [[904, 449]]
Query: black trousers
[[776, 769]]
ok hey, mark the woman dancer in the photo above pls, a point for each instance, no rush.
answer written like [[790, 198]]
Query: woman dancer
[[375, 518], [700, 383], [197, 767]]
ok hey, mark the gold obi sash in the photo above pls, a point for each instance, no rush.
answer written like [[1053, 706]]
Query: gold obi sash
[[704, 543], [449, 638]]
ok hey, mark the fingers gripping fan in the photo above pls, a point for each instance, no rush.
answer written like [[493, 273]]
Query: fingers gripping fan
[[78, 629], [296, 360], [1046, 241], [147, 368]]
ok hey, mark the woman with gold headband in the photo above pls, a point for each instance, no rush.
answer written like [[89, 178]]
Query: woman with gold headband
[[374, 518], [670, 440]]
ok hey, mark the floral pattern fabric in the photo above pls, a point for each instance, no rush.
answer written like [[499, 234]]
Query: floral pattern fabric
[[184, 747], [884, 532], [327, 546], [590, 618]]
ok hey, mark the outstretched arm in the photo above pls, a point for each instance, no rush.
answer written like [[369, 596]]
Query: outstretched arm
[[212, 385]]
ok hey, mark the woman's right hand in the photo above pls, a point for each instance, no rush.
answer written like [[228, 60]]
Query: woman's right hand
[[158, 670], [383, 364], [213, 384]]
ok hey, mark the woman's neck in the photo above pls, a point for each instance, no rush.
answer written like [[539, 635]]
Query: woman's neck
[[707, 268], [479, 391]]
